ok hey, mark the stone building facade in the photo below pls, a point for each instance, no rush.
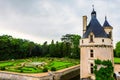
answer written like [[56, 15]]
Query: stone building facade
[[96, 43]]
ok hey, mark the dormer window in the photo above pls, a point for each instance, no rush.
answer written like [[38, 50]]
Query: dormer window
[[91, 38], [102, 40]]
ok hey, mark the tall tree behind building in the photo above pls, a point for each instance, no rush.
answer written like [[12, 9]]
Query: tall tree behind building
[[72, 43], [117, 50]]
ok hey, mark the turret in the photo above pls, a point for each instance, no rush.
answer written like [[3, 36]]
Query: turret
[[96, 43], [108, 28]]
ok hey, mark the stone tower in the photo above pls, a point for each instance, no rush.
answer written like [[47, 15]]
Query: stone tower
[[96, 43]]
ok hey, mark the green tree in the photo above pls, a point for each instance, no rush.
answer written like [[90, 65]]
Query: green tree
[[37, 51], [45, 49], [103, 70], [61, 49], [71, 45], [5, 47], [52, 49], [31, 45], [65, 49], [12, 48], [57, 49], [117, 49]]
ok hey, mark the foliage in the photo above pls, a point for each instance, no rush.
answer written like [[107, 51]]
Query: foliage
[[20, 65], [103, 70], [2, 68], [45, 69], [117, 60], [13, 48], [71, 42], [21, 71], [53, 69], [98, 62], [60, 64], [52, 49], [117, 50]]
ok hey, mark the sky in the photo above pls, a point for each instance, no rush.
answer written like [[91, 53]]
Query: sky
[[46, 20]]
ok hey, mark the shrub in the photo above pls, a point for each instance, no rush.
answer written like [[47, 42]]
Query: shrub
[[45, 69], [2, 68], [53, 69], [21, 71], [67, 66], [19, 68], [105, 71]]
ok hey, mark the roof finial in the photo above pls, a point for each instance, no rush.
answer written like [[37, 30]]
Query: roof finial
[[93, 7], [93, 14], [105, 17]]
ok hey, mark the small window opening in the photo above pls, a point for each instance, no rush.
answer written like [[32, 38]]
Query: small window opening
[[110, 34], [82, 41], [102, 40], [91, 68], [91, 53], [91, 50], [91, 38]]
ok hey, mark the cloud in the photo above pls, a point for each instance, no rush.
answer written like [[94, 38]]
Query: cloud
[[104, 8], [43, 20]]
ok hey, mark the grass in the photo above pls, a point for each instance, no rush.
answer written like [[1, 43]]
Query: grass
[[60, 65], [6, 64], [117, 60], [57, 63], [19, 64]]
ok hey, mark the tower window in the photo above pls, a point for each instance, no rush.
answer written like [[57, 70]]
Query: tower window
[[102, 40], [82, 41], [110, 34], [91, 38], [91, 68], [91, 53], [91, 50]]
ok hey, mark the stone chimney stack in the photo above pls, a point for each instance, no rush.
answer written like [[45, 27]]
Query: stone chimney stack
[[84, 24]]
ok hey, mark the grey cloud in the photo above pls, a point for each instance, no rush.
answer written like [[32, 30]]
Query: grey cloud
[[50, 19]]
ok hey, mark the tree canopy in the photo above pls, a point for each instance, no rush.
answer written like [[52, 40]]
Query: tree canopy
[[14, 48], [117, 50]]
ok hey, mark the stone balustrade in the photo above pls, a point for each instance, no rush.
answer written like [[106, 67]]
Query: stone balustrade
[[64, 74]]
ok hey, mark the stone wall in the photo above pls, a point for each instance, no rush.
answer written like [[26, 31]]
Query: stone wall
[[65, 74], [13, 76], [68, 73]]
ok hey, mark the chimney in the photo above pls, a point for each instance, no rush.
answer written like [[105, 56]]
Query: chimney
[[84, 24]]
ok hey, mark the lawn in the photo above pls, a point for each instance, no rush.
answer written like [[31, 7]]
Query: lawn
[[60, 65], [31, 65], [37, 65], [117, 60]]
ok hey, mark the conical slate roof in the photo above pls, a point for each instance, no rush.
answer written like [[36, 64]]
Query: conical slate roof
[[106, 24], [95, 27]]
